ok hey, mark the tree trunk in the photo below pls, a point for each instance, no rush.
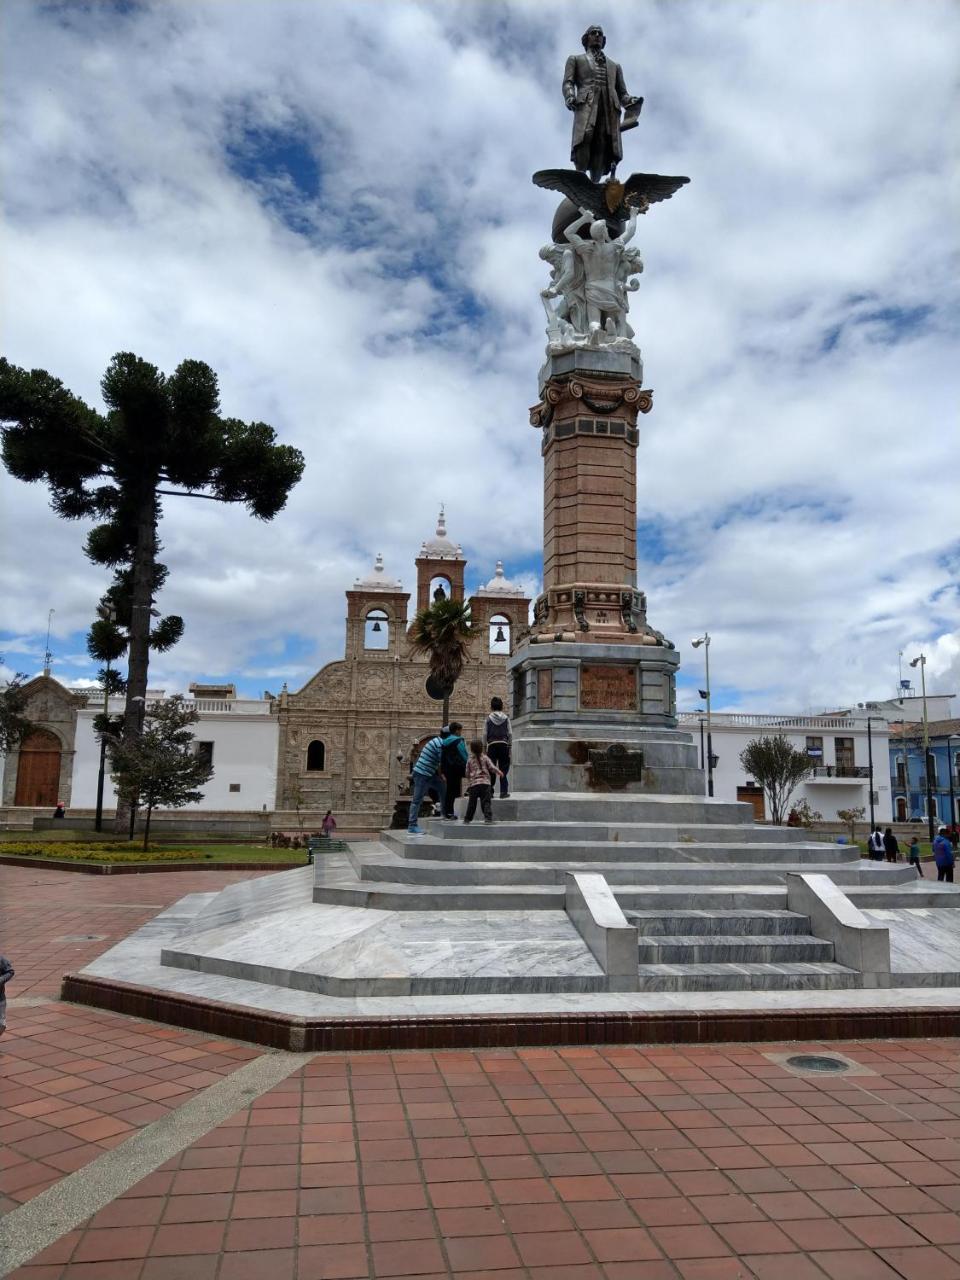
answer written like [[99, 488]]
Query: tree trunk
[[446, 711], [138, 653], [146, 828]]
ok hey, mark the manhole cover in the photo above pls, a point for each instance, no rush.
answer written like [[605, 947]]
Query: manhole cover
[[814, 1062]]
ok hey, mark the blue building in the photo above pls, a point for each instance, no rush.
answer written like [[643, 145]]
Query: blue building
[[908, 771]]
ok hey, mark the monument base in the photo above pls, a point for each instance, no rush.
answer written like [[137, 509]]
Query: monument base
[[601, 718]]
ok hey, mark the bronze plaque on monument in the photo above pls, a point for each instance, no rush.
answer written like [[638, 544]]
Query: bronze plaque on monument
[[545, 689], [615, 766], [608, 688]]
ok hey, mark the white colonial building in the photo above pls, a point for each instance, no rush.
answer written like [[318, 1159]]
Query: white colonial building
[[840, 747]]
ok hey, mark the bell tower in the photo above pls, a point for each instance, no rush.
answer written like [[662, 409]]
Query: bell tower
[[439, 558]]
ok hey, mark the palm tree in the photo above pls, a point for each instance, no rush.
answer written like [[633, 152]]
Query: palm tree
[[442, 632]]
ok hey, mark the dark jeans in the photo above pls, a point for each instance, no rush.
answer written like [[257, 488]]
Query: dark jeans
[[454, 784], [915, 862], [945, 873], [421, 783], [482, 792], [499, 753]]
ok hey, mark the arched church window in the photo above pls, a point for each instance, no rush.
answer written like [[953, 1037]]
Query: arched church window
[[316, 753], [376, 630], [499, 633], [440, 589]]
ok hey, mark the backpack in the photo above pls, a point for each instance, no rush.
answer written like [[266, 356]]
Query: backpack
[[451, 761]]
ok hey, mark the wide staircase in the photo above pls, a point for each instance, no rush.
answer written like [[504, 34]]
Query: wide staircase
[[704, 886]]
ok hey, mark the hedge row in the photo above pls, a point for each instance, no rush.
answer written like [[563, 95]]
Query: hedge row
[[96, 852]]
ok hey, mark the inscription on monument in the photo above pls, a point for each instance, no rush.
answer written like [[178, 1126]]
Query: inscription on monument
[[608, 688], [615, 766], [545, 689]]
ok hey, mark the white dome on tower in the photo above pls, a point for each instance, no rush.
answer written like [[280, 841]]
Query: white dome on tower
[[499, 585], [377, 580], [439, 547]]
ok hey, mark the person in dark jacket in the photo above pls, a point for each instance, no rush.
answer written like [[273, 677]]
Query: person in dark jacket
[[454, 764], [890, 845], [875, 845], [943, 856], [6, 973], [498, 738]]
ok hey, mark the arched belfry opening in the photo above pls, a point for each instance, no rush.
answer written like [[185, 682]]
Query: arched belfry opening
[[440, 564]]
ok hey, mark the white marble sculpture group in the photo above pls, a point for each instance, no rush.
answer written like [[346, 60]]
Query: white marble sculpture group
[[592, 278]]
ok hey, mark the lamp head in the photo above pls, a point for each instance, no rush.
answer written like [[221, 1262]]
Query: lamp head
[[916, 661], [697, 643]]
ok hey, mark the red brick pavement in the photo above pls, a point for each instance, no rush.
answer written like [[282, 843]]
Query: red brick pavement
[[570, 1164]]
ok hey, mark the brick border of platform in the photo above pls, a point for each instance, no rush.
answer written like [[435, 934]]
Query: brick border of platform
[[475, 1031], [133, 868]]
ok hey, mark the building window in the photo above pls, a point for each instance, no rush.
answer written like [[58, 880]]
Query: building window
[[234, 786], [315, 756], [204, 753], [843, 754], [815, 750], [376, 630], [499, 633], [902, 772]]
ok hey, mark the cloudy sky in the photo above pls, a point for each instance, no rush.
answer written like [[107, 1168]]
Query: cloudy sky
[[330, 203]]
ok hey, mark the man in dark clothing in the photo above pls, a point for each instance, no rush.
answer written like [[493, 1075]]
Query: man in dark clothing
[[890, 846], [454, 764], [498, 737], [943, 856], [875, 845]]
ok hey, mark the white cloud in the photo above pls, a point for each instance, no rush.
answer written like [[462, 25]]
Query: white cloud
[[801, 453]]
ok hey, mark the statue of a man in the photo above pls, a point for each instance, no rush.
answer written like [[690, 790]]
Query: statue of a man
[[594, 91], [605, 270]]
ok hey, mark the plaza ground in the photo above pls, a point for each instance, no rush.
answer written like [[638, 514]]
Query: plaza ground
[[568, 1164]]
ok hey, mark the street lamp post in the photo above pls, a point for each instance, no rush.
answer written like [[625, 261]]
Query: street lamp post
[[873, 824], [921, 661], [108, 614], [705, 641], [953, 802]]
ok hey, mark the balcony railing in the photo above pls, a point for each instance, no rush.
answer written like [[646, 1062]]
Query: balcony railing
[[743, 720], [847, 771]]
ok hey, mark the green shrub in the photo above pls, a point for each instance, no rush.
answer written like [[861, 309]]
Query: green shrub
[[96, 852]]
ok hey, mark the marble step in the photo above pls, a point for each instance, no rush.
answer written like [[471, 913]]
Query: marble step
[[633, 832], [706, 922], [429, 872], [450, 848], [587, 806], [739, 948], [789, 976]]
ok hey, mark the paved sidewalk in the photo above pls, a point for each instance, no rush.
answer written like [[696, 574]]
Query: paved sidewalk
[[568, 1164]]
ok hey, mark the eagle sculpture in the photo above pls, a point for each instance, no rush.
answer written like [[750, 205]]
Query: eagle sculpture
[[612, 199]]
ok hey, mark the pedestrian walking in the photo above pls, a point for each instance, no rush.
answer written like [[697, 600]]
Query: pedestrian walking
[[891, 846], [875, 845], [426, 774], [480, 774], [454, 764], [913, 855], [943, 856], [61, 810], [6, 973], [499, 740], [329, 824]]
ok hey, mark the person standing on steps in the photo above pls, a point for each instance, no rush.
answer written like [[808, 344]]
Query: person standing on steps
[[454, 761], [426, 774], [329, 824], [499, 738], [480, 771]]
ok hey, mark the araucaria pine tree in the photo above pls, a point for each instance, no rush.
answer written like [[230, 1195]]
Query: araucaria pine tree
[[157, 431]]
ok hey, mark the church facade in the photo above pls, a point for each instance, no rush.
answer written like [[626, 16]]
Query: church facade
[[347, 738]]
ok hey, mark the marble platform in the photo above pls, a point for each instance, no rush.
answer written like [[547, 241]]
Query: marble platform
[[482, 913]]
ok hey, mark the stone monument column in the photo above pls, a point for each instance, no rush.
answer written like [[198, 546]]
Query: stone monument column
[[594, 684]]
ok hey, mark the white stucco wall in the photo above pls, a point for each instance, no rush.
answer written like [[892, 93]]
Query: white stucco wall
[[244, 752]]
